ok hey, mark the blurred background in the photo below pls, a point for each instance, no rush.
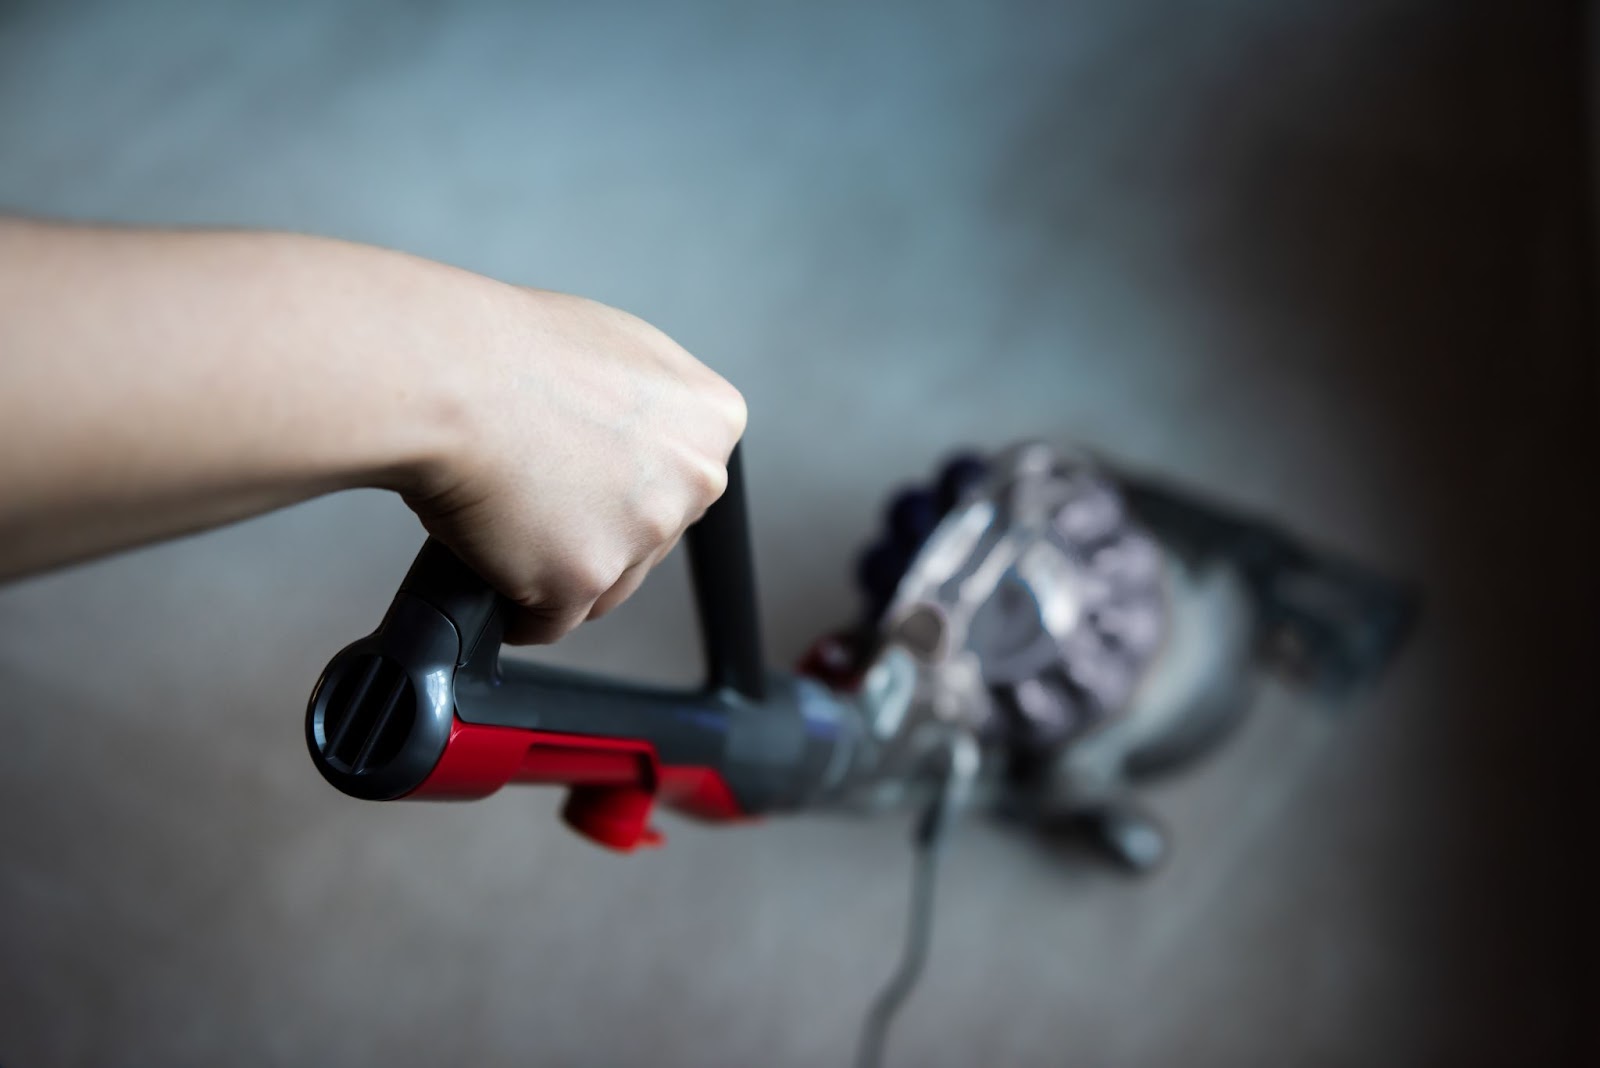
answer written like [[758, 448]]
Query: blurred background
[[1326, 260]]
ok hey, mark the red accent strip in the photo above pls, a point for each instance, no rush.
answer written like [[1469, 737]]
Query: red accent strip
[[615, 780]]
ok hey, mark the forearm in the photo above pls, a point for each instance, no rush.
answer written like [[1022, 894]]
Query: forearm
[[155, 383]]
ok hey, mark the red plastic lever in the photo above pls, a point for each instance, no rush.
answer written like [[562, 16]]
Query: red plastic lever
[[615, 781]]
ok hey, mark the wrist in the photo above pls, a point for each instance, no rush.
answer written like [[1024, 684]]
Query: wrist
[[445, 323]]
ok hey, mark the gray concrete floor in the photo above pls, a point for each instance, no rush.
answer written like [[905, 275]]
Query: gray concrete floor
[[1327, 259]]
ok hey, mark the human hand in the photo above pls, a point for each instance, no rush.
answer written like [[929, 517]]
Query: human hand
[[583, 442]]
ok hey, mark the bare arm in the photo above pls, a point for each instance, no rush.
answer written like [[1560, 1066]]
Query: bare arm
[[154, 383]]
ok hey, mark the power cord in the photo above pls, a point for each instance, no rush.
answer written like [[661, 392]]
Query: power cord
[[927, 843]]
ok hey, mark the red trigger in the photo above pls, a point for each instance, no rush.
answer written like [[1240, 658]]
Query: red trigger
[[617, 817]]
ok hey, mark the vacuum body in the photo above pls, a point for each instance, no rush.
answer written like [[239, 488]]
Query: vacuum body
[[1075, 627]]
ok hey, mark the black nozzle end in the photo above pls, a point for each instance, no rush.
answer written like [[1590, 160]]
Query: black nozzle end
[[380, 716]]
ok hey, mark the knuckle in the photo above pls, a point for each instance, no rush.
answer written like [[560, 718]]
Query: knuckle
[[528, 593], [659, 525], [587, 579], [713, 482], [734, 408], [574, 584], [722, 403]]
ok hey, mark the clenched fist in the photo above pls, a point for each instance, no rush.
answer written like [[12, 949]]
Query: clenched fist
[[586, 442]]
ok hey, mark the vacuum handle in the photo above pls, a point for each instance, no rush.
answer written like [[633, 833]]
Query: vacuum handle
[[422, 707], [721, 571]]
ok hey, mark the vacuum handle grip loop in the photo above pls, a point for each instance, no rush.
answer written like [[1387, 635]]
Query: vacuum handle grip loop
[[721, 570]]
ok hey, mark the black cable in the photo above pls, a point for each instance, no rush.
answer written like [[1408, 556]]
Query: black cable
[[926, 843]]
